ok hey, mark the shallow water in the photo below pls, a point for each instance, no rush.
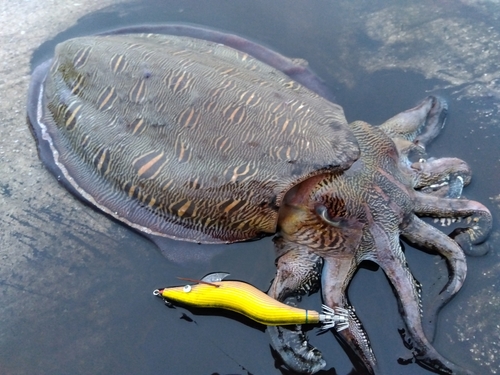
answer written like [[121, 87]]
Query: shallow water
[[77, 287]]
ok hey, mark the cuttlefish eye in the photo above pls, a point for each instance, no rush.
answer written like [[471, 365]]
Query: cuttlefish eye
[[322, 212], [187, 288]]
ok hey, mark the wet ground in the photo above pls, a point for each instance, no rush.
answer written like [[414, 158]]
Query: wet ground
[[76, 287]]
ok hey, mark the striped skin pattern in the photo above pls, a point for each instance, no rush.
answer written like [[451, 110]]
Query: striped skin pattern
[[242, 298], [190, 139], [185, 138], [334, 222]]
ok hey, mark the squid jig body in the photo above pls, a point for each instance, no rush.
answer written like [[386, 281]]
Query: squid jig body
[[245, 299]]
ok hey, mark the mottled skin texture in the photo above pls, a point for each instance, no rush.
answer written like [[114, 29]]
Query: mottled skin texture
[[338, 221], [184, 138], [189, 139]]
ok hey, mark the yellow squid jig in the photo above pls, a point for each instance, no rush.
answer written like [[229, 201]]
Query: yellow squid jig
[[245, 299]]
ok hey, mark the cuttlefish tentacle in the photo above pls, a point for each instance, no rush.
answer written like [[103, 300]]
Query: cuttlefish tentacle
[[425, 235], [298, 272], [478, 219], [336, 276], [391, 259]]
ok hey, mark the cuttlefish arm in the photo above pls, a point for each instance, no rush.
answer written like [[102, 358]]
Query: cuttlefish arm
[[297, 272], [336, 276], [391, 259], [425, 235], [476, 220]]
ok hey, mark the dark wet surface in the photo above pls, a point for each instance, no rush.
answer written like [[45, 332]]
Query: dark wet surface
[[86, 284]]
